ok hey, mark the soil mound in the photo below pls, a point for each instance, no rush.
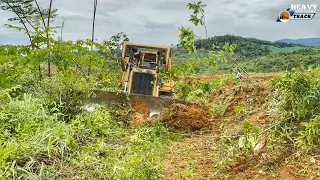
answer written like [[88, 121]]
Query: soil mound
[[185, 117], [141, 107], [139, 119]]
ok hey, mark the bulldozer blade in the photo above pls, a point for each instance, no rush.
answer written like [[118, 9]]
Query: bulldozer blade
[[150, 105]]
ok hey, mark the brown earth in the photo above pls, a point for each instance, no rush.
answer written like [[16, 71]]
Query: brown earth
[[141, 107], [285, 173], [260, 77], [138, 119], [257, 118], [188, 159], [186, 117], [192, 157], [302, 169], [195, 116]]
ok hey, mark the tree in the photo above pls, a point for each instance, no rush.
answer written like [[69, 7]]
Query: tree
[[187, 40], [31, 18], [114, 45], [187, 36], [198, 11]]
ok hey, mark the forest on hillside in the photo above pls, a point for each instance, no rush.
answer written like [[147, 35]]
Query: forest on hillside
[[252, 54], [246, 47]]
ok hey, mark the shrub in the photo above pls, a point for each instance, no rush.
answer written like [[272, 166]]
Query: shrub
[[299, 104], [67, 89], [300, 93], [309, 135]]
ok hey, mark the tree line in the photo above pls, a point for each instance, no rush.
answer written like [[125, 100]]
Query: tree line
[[246, 47]]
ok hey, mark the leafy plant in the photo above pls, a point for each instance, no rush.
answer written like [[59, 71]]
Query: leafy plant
[[309, 135], [187, 37], [299, 93], [189, 174], [208, 87], [248, 140], [187, 40], [182, 89], [237, 109], [299, 108], [68, 90]]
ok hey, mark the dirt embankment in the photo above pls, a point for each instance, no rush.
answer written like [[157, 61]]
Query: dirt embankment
[[260, 77], [192, 158], [196, 116]]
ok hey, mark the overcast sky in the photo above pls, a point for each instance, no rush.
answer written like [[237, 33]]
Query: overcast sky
[[157, 21]]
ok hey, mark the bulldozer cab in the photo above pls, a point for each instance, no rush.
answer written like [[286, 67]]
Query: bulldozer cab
[[147, 59]]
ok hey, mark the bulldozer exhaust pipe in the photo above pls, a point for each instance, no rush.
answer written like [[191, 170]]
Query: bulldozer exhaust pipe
[[127, 78]]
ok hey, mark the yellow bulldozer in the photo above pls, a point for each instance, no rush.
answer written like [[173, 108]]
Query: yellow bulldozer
[[141, 65]]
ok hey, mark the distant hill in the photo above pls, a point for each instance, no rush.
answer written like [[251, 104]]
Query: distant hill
[[284, 61], [273, 62], [220, 40], [247, 48], [302, 41], [253, 54]]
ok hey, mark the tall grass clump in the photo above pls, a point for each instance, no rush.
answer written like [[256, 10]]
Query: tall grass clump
[[37, 142]]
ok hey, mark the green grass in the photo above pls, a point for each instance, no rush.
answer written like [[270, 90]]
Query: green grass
[[38, 142]]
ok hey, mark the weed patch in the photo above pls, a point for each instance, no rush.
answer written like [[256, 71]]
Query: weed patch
[[36, 143]]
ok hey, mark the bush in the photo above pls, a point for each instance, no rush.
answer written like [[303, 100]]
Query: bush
[[190, 92], [300, 93], [299, 104], [67, 89], [309, 135]]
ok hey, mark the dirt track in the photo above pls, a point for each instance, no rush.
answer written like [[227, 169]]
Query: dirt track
[[256, 76], [188, 159], [192, 158]]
